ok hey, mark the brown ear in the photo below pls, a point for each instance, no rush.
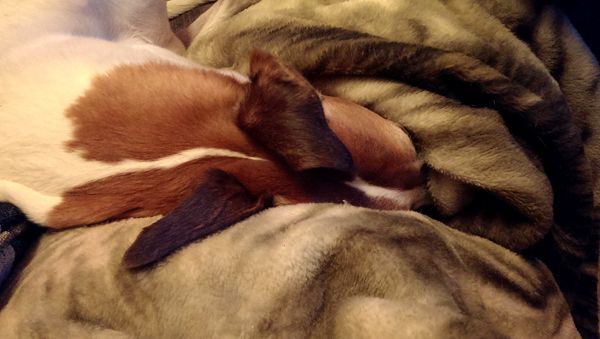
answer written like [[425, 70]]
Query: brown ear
[[218, 202], [283, 112]]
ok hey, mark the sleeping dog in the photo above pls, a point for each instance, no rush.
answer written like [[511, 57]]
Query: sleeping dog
[[101, 119]]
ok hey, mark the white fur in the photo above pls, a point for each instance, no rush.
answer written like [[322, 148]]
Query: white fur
[[410, 199], [33, 203], [51, 51], [34, 127], [114, 20]]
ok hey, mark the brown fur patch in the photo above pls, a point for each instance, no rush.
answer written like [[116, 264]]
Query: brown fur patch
[[153, 192], [382, 152], [146, 112]]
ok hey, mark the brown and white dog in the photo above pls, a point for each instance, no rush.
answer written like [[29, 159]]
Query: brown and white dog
[[101, 119]]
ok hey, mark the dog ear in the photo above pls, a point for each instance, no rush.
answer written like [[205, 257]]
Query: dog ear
[[218, 202], [283, 112]]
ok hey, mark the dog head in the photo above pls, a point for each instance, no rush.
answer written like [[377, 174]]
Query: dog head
[[317, 149]]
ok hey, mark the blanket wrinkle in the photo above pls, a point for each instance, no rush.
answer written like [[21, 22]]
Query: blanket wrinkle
[[518, 61], [443, 147], [318, 270]]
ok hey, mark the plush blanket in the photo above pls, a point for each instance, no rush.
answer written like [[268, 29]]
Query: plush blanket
[[501, 98], [502, 101], [321, 271]]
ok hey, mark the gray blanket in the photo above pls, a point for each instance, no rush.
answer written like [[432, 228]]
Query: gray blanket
[[321, 271], [501, 98]]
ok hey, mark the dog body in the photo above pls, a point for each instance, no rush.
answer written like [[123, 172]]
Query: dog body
[[52, 51], [101, 119]]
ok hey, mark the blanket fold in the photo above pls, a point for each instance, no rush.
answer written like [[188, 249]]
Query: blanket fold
[[310, 270]]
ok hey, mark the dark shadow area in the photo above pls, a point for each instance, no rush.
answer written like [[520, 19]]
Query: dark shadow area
[[584, 16]]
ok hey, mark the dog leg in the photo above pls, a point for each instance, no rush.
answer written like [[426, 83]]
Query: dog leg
[[153, 27]]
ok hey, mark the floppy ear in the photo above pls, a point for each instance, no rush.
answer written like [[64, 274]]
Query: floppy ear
[[218, 202], [283, 112]]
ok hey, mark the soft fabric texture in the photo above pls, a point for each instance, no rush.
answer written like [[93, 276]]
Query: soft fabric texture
[[501, 98], [486, 89], [321, 271]]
